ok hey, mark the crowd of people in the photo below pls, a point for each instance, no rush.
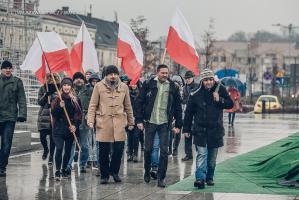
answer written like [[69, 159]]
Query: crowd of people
[[88, 118]]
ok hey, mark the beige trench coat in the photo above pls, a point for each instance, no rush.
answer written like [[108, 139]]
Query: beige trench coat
[[111, 111]]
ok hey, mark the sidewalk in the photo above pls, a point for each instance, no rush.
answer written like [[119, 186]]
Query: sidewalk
[[28, 177]]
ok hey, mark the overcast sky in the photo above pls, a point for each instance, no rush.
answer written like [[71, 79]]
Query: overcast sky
[[229, 15]]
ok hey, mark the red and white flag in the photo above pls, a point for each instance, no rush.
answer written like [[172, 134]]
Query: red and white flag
[[47, 48], [35, 62], [130, 51], [180, 44], [83, 54], [55, 51]]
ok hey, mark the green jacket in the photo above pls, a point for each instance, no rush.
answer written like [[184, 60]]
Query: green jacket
[[12, 99], [84, 94]]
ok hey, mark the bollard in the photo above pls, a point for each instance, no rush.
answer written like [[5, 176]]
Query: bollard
[[263, 106]]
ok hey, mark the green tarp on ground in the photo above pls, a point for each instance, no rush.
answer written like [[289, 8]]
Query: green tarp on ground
[[256, 172]]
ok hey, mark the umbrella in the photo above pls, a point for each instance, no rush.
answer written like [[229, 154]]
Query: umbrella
[[234, 82], [226, 73]]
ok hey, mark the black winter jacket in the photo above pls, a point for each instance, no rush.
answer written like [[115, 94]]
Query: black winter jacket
[[187, 90], [208, 127], [44, 119], [146, 100]]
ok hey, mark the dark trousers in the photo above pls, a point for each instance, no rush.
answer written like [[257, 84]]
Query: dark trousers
[[61, 141], [174, 141], [110, 165], [141, 138], [188, 146], [231, 117], [6, 132], [133, 140], [150, 131], [43, 140]]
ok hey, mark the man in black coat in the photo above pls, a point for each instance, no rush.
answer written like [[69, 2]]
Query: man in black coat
[[206, 106], [157, 104], [188, 88]]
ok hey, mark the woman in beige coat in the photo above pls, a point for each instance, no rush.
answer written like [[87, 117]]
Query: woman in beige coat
[[111, 111]]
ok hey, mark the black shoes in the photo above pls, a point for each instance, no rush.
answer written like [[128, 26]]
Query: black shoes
[[104, 180], [116, 178], [147, 177], [161, 183], [200, 184], [45, 154], [50, 162], [175, 152], [82, 169], [130, 158], [57, 176], [2, 173], [154, 173], [186, 158], [210, 182], [135, 158]]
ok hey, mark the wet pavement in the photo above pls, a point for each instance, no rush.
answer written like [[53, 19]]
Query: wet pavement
[[28, 177]]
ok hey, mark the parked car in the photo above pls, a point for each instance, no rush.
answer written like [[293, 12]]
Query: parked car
[[271, 104]]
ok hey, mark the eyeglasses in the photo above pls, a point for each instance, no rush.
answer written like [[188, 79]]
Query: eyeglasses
[[208, 79]]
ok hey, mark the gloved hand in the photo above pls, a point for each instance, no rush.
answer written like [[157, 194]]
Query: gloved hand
[[21, 119]]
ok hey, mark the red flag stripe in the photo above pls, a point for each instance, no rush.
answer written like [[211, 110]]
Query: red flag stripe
[[130, 64], [181, 52]]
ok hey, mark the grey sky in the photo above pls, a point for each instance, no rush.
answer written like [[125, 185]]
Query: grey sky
[[229, 15]]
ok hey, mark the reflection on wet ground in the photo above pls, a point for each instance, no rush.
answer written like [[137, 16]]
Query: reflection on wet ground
[[28, 177]]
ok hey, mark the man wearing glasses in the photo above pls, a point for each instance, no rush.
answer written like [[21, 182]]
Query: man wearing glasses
[[205, 107]]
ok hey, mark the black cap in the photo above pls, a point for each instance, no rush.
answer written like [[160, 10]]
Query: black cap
[[111, 69], [189, 74], [78, 75], [6, 64]]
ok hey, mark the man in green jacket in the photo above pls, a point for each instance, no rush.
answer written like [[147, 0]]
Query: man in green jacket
[[12, 108]]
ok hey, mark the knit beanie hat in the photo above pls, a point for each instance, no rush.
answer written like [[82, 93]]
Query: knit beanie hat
[[111, 69], [67, 80], [78, 75], [6, 64], [206, 73]]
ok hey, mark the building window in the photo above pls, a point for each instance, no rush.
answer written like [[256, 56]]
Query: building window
[[215, 59], [223, 59]]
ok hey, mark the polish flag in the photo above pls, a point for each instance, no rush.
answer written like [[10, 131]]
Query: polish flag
[[35, 62], [180, 43], [83, 54], [55, 51], [130, 51]]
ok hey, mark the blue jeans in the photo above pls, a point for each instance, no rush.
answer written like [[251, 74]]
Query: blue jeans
[[205, 163], [156, 152], [84, 143], [6, 132]]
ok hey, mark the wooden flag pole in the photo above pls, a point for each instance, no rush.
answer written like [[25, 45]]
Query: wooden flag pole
[[163, 57], [59, 95]]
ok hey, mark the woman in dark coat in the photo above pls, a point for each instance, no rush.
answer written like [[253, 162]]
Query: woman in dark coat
[[46, 94], [62, 132]]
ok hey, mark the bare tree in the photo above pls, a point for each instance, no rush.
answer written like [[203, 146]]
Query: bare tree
[[209, 40]]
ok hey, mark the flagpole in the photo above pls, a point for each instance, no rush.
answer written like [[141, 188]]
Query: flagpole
[[163, 57], [59, 95], [82, 51]]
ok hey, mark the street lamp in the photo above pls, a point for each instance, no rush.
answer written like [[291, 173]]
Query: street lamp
[[290, 28]]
